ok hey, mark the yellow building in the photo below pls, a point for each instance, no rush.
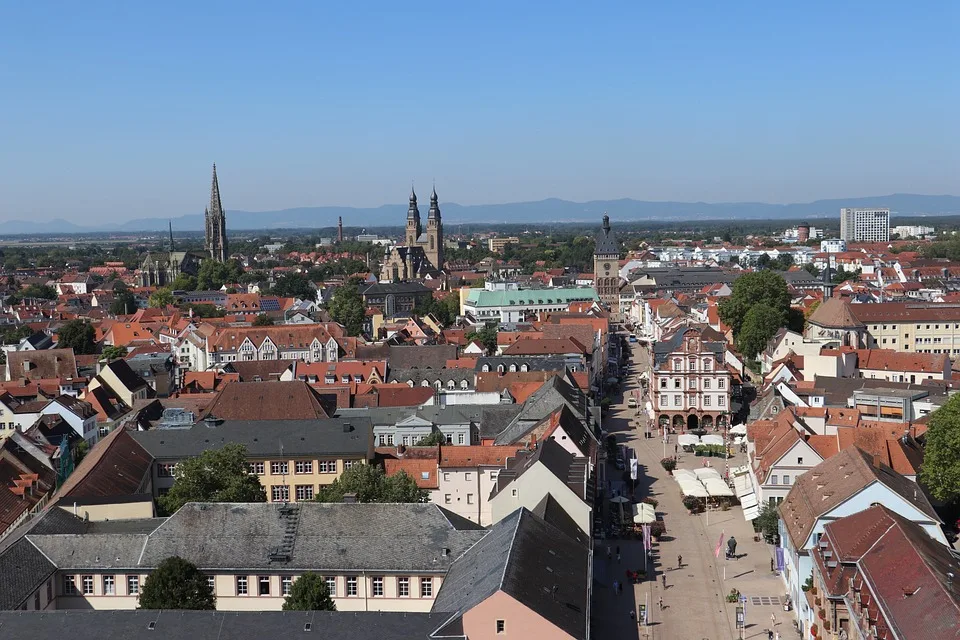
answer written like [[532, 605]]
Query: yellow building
[[497, 245], [292, 458]]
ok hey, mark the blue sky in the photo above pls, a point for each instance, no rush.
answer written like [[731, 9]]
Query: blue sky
[[116, 110]]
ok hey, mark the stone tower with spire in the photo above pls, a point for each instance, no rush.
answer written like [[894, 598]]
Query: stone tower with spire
[[216, 224], [413, 221], [606, 266], [434, 245]]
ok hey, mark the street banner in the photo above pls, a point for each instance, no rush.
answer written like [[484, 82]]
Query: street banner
[[647, 543], [716, 554], [780, 561], [634, 468]]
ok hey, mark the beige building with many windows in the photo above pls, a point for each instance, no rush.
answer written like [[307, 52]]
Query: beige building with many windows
[[915, 327], [692, 386], [292, 458]]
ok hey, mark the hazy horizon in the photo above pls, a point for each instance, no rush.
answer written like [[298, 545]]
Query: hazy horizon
[[119, 112]]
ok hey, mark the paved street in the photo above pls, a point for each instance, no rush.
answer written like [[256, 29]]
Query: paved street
[[694, 604]]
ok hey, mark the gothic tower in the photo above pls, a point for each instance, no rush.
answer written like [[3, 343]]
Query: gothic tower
[[413, 221], [216, 224], [606, 266], [434, 246], [340, 229]]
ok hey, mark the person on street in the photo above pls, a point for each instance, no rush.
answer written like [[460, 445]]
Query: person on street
[[679, 561], [633, 615], [660, 602], [773, 620], [618, 557], [609, 554], [663, 579], [616, 587]]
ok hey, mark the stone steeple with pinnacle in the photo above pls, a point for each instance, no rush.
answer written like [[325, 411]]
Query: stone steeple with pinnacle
[[170, 222], [413, 221], [434, 246], [216, 223]]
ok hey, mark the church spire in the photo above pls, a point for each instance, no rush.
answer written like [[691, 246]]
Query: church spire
[[216, 208], [170, 222], [434, 205], [216, 223]]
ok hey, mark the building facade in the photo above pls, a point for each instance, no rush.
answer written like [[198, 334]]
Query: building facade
[[864, 225], [606, 265], [692, 387], [422, 253], [215, 219]]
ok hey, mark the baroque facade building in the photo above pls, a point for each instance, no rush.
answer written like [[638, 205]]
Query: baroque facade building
[[215, 224], [606, 265], [692, 386], [422, 253]]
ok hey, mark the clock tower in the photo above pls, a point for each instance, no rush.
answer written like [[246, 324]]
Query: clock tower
[[606, 266]]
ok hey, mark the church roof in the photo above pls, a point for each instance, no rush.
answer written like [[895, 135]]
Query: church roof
[[834, 313], [606, 240]]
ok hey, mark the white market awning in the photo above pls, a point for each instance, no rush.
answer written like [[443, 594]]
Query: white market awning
[[644, 513]]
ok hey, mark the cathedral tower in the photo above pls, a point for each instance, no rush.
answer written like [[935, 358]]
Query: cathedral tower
[[216, 224], [434, 246], [413, 221]]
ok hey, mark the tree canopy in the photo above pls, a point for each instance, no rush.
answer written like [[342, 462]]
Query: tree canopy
[[759, 326], [759, 287], [487, 336], [113, 352], [445, 310], [263, 320], [177, 584], [213, 274], [294, 285], [309, 592], [346, 307], [371, 484], [77, 335], [432, 440], [216, 475], [161, 298], [123, 303], [941, 458]]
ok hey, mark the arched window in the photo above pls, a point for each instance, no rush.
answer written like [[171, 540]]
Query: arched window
[[451, 384], [463, 384], [425, 383], [485, 368], [524, 368], [513, 368], [499, 368], [438, 384]]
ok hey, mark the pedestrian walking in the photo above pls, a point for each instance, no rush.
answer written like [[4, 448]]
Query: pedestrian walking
[[676, 448], [660, 602], [679, 561], [633, 615], [616, 587], [773, 620], [609, 554], [663, 579], [776, 635], [618, 557]]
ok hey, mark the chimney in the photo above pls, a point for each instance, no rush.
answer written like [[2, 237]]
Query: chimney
[[445, 552], [349, 498], [347, 427]]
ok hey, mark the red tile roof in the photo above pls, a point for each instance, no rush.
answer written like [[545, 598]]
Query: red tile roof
[[475, 456]]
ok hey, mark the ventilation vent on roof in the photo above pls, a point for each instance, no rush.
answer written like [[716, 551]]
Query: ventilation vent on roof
[[151, 626], [307, 627]]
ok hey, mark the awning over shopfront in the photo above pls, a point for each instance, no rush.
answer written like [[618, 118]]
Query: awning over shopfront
[[743, 486]]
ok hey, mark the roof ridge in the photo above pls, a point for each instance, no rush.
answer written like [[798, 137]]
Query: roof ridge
[[513, 546]]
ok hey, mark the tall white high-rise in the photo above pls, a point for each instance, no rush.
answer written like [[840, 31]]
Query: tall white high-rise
[[865, 225]]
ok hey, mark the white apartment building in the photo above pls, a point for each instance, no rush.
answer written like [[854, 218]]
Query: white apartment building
[[912, 231], [864, 225]]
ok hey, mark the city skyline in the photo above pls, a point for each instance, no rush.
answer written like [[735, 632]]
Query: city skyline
[[119, 115]]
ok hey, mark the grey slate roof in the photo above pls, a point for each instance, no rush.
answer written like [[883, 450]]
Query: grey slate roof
[[555, 393], [571, 470], [329, 537], [550, 510], [530, 560], [432, 375], [534, 363], [262, 438], [222, 625], [496, 418]]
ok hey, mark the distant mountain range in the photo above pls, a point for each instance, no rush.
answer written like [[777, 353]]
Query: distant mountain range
[[539, 212]]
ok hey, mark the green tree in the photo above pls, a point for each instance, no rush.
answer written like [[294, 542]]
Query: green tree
[[346, 307], [294, 285], [940, 472], [216, 475], [161, 298], [263, 320], [213, 274], [432, 440], [123, 303], [768, 522], [760, 287], [371, 484], [112, 352], [760, 324], [77, 335], [812, 269], [487, 337], [38, 291], [309, 593], [184, 282], [177, 584], [203, 310]]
